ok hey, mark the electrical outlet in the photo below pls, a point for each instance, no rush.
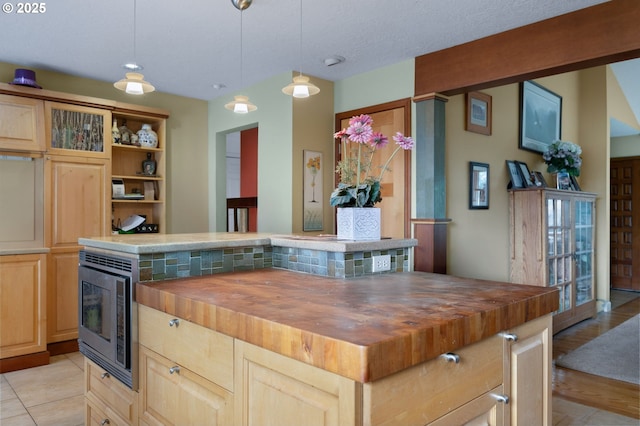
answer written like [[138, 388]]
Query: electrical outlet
[[381, 263]]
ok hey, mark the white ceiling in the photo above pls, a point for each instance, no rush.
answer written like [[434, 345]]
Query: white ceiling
[[189, 47]]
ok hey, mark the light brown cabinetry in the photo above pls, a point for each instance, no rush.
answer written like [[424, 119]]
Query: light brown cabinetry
[[107, 400], [22, 305], [552, 244], [504, 379], [273, 389], [127, 165], [75, 206], [22, 124], [528, 372], [186, 372]]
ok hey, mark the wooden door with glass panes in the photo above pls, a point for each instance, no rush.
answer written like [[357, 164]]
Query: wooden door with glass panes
[[395, 185]]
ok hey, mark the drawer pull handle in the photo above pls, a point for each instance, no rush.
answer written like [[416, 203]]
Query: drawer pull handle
[[175, 322], [105, 422], [502, 398], [105, 375], [451, 357], [174, 369], [510, 337]]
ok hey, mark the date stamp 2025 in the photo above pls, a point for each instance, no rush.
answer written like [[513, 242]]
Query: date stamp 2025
[[24, 8]]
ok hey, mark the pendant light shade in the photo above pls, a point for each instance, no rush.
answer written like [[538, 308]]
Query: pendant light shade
[[241, 105], [301, 87], [134, 84]]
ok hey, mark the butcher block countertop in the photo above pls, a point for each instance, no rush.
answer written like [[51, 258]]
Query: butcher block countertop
[[362, 328]]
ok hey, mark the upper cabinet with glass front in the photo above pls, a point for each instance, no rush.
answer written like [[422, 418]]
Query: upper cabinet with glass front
[[552, 243], [78, 130]]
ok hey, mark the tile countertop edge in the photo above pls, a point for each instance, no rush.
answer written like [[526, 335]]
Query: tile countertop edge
[[358, 359], [161, 243], [332, 244]]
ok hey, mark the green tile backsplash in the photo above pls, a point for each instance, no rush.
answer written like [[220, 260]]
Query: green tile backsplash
[[182, 264]]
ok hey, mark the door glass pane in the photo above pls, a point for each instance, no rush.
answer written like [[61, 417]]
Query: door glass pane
[[96, 315], [567, 298], [76, 130]]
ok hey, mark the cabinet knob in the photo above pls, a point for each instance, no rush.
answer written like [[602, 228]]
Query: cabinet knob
[[502, 398], [510, 337], [105, 375], [175, 322], [105, 422], [451, 357], [174, 369]]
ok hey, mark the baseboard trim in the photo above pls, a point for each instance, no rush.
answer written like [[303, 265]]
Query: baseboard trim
[[61, 348], [24, 361]]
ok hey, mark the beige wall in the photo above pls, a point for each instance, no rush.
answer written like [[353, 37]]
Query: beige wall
[[312, 130], [187, 141], [479, 239]]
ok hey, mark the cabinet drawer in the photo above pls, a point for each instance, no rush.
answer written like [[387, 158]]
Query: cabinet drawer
[[173, 395], [113, 399], [204, 351], [435, 387]]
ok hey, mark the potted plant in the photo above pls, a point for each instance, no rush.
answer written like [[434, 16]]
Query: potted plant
[[359, 187], [563, 159]]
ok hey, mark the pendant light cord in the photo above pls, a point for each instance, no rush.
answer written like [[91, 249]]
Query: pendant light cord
[[135, 56], [241, 55], [300, 47]]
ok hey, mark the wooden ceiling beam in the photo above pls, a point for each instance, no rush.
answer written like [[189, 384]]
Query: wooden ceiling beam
[[589, 37]]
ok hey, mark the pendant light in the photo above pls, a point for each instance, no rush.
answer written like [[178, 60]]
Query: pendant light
[[301, 86], [134, 83], [241, 103]]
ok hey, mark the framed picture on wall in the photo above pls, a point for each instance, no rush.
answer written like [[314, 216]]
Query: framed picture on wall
[[478, 185], [540, 117], [478, 113], [312, 191]]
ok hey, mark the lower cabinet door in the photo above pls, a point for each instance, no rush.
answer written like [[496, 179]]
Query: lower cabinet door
[[529, 376], [173, 395], [275, 390], [489, 409]]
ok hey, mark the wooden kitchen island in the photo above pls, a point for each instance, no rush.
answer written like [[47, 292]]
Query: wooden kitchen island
[[275, 347]]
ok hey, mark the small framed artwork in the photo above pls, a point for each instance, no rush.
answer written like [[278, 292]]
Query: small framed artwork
[[538, 179], [526, 174], [478, 185], [540, 117], [517, 181], [478, 113], [574, 184], [563, 181], [312, 191]]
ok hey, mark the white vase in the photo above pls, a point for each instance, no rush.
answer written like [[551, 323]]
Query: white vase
[[358, 223], [147, 137]]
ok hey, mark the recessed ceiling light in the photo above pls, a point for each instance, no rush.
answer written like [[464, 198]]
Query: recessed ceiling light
[[219, 86], [132, 67], [334, 60]]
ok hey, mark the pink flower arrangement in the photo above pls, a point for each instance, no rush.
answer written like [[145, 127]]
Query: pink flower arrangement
[[357, 188]]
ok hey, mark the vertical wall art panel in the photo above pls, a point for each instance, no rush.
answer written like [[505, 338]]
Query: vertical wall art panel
[[313, 195]]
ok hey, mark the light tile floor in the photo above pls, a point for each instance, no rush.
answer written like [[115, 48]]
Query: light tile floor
[[46, 395], [53, 395]]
